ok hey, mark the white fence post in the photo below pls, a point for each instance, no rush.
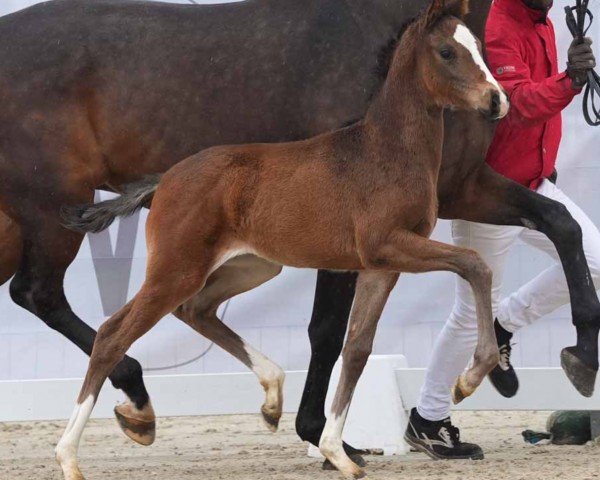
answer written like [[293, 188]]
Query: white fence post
[[377, 418]]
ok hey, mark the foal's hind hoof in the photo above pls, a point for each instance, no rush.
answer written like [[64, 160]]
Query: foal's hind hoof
[[582, 376], [461, 390], [355, 457], [73, 475], [270, 420], [138, 425]]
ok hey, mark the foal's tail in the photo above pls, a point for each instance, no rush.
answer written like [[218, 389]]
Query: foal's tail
[[95, 217]]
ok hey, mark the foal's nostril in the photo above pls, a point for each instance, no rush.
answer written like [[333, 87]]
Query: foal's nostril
[[495, 105]]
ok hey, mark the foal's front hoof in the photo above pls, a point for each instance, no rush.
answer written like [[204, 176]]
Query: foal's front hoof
[[358, 472], [581, 375], [355, 457], [334, 452], [139, 425], [461, 390]]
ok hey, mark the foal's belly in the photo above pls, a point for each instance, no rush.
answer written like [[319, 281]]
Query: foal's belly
[[331, 247]]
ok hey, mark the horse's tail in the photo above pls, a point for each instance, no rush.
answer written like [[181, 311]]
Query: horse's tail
[[95, 217]]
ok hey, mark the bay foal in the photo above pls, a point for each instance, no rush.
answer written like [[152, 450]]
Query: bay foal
[[100, 87], [362, 199]]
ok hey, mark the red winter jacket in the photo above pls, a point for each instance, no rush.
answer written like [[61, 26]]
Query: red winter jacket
[[521, 53]]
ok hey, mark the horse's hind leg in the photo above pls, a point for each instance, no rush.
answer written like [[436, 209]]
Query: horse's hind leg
[[39, 174], [48, 250], [372, 292], [160, 294], [239, 275], [11, 247]]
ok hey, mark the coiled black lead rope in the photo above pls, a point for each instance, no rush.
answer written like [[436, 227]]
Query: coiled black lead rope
[[579, 21]]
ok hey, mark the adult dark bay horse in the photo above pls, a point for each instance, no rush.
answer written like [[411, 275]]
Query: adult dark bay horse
[[96, 94], [362, 198]]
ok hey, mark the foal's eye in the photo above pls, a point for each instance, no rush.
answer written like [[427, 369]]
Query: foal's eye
[[447, 53]]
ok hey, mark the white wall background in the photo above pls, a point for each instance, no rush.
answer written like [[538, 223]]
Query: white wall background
[[275, 317]]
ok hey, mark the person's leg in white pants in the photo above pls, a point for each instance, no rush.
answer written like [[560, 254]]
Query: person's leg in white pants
[[456, 342], [542, 295]]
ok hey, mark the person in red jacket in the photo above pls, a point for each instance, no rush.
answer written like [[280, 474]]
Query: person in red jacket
[[521, 52]]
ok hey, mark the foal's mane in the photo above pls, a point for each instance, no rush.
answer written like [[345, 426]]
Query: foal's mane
[[386, 53]]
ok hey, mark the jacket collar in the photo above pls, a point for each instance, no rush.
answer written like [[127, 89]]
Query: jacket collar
[[521, 12]]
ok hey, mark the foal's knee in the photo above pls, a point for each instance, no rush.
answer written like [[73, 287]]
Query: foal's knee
[[475, 270], [111, 342]]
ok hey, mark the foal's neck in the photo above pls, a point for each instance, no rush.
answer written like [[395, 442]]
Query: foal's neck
[[403, 116]]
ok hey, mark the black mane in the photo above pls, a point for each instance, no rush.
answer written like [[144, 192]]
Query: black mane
[[386, 53]]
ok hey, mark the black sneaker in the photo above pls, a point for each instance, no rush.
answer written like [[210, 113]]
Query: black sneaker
[[440, 440], [503, 376]]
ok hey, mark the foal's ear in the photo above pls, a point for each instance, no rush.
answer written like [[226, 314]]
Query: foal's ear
[[457, 8], [441, 8], [436, 10]]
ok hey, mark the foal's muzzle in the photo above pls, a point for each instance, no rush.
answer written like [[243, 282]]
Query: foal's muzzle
[[498, 105]]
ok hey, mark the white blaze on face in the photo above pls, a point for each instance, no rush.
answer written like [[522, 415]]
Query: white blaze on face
[[465, 37]]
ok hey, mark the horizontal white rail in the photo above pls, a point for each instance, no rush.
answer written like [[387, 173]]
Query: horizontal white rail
[[540, 389], [172, 395], [223, 394]]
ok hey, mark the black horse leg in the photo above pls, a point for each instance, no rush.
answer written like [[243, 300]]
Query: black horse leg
[[333, 301], [38, 287], [10, 248], [496, 200]]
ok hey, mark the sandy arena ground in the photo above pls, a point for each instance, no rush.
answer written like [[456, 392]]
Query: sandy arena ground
[[238, 447]]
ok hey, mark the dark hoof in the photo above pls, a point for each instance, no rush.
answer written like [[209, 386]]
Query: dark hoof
[[356, 458], [378, 452], [350, 450], [582, 376], [140, 431], [271, 421]]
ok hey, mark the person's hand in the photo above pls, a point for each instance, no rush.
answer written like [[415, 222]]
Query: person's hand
[[581, 59]]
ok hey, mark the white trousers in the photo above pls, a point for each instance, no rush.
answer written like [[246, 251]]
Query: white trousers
[[542, 295]]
